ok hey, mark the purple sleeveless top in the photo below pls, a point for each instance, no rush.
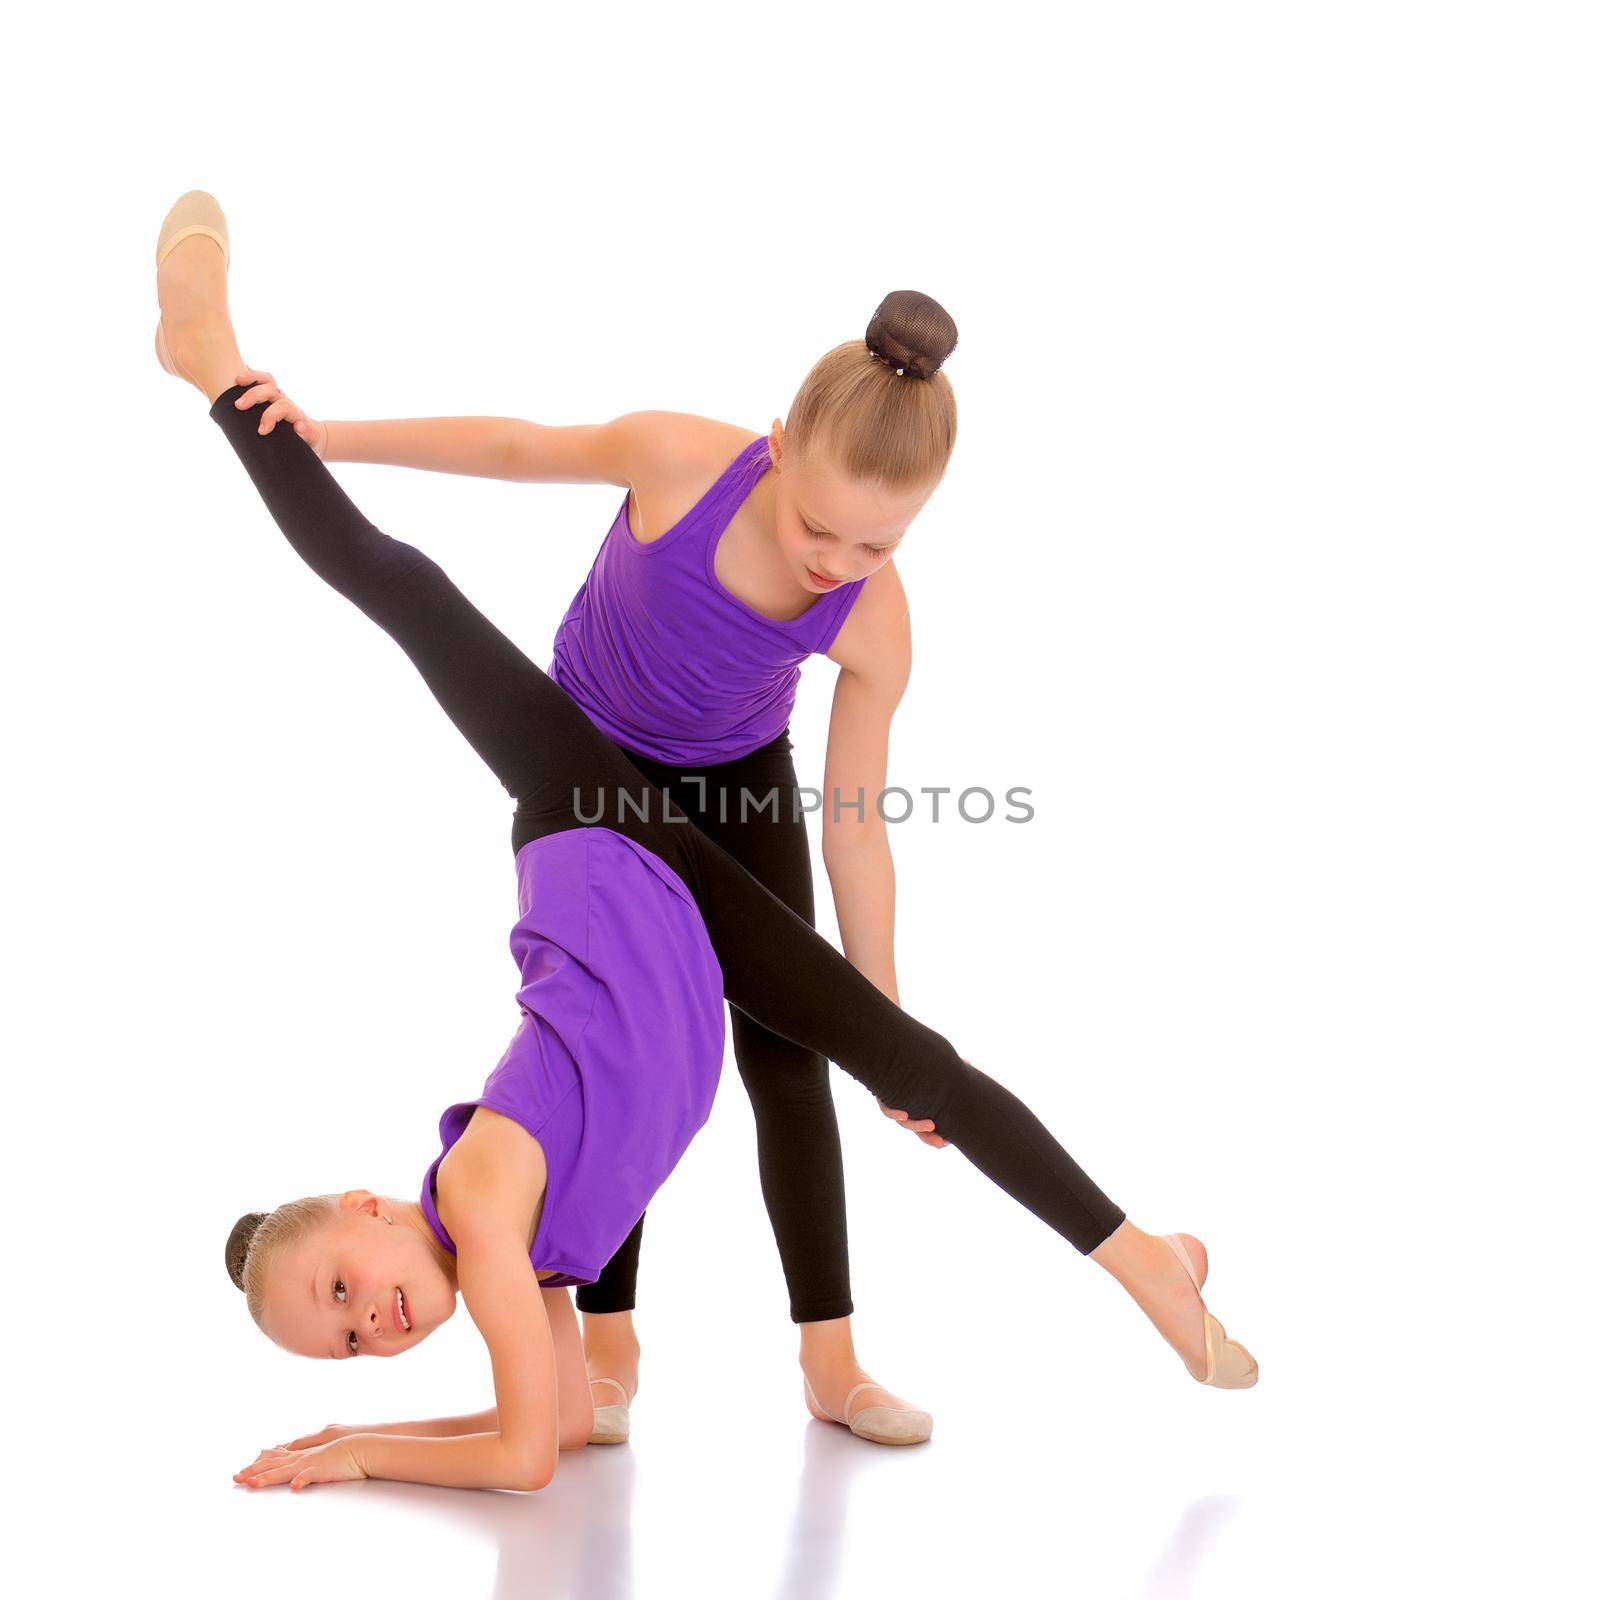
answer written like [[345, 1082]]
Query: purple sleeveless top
[[615, 1064], [664, 660]]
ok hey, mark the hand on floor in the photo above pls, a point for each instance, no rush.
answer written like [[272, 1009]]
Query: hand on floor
[[325, 1463]]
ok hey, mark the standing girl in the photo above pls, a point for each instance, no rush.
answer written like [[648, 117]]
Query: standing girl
[[731, 560]]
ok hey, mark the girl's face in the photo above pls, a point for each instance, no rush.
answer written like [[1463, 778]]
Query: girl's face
[[360, 1285], [833, 529]]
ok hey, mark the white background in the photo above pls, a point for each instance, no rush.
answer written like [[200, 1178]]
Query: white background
[[1266, 559]]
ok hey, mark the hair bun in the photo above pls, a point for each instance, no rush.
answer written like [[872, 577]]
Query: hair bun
[[244, 1230], [912, 332]]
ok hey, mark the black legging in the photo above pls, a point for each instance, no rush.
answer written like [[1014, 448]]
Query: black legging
[[797, 1131], [563, 773]]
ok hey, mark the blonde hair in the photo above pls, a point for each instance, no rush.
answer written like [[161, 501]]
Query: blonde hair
[[879, 407], [258, 1236]]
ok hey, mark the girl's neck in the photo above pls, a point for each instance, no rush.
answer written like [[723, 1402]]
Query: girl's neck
[[750, 563], [762, 505], [410, 1214]]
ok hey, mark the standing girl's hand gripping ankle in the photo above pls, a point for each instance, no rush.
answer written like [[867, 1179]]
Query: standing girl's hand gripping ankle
[[261, 386]]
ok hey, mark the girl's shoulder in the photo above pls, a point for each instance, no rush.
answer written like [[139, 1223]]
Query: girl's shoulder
[[492, 1178], [675, 443], [876, 636], [672, 458]]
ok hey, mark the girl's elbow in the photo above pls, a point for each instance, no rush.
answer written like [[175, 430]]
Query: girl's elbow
[[849, 842], [534, 1472], [528, 1464]]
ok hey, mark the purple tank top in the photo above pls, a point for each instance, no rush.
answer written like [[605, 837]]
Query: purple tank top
[[615, 1064], [664, 660]]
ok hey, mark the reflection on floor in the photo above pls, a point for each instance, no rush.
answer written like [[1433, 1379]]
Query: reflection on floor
[[575, 1540]]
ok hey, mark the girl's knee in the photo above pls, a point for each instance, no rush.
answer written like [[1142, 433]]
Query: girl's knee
[[929, 1082]]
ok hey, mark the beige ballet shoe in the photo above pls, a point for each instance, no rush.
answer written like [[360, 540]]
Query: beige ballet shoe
[[611, 1423], [195, 213], [1228, 1364], [879, 1424]]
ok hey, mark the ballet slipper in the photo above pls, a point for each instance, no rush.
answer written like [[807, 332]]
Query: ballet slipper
[[196, 213], [611, 1422], [878, 1424], [1228, 1364]]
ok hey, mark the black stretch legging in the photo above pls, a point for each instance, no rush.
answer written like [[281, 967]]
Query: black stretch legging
[[561, 769], [750, 807]]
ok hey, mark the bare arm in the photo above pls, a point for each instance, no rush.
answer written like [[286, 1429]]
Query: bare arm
[[509, 447], [541, 1387], [574, 1402], [482, 447], [622, 451], [490, 1188], [474, 1451], [873, 651], [467, 1452], [420, 1428], [485, 447]]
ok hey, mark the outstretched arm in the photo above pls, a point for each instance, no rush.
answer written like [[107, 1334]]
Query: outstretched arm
[[484, 447], [478, 447]]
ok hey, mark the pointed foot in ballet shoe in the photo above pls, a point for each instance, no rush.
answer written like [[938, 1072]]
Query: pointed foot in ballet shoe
[[1228, 1364], [886, 1425], [194, 213], [611, 1422], [876, 1424]]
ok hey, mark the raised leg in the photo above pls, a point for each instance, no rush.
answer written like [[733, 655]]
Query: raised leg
[[545, 751]]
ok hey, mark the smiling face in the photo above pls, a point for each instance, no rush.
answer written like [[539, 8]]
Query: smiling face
[[371, 1280], [831, 528]]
